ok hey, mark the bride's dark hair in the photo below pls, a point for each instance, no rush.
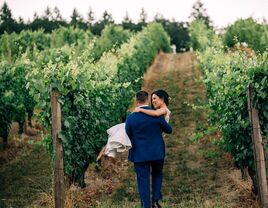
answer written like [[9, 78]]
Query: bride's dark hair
[[161, 94]]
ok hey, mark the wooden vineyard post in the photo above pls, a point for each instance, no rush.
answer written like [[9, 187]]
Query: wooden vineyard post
[[58, 170], [9, 56], [258, 151]]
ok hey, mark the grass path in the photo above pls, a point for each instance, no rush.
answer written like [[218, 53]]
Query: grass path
[[196, 174]]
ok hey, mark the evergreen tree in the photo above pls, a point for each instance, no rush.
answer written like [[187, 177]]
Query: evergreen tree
[[105, 20], [44, 22], [48, 14], [56, 14], [77, 20], [142, 21], [90, 17], [21, 25], [7, 23], [5, 13], [158, 17], [143, 16], [35, 16], [199, 12], [178, 32], [128, 24]]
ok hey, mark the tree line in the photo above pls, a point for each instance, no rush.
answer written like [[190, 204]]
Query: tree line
[[52, 19]]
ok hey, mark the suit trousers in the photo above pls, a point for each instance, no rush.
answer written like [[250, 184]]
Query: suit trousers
[[143, 171]]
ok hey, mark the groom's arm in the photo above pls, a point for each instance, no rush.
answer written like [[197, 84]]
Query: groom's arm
[[165, 126], [128, 129]]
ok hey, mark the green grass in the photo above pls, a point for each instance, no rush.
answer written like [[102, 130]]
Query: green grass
[[24, 178]]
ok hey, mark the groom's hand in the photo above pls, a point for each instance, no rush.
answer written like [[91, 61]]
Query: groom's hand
[[137, 110]]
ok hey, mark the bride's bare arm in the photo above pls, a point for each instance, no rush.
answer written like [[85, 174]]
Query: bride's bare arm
[[158, 112]]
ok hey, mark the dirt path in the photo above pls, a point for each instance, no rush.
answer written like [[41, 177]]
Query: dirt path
[[196, 174]]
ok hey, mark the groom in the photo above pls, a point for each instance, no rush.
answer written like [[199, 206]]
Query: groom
[[148, 150]]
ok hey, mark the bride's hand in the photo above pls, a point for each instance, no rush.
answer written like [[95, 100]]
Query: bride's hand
[[137, 109]]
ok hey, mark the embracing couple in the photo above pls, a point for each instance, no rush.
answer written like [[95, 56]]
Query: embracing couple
[[144, 128], [141, 135]]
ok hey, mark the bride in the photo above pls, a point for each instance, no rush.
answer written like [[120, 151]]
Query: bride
[[160, 102], [118, 140]]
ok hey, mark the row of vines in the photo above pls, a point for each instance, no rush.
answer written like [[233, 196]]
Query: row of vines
[[40, 48], [96, 81], [227, 74], [14, 45]]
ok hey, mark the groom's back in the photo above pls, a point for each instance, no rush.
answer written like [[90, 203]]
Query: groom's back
[[145, 133]]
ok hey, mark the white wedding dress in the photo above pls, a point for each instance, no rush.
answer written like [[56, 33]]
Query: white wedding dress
[[118, 140]]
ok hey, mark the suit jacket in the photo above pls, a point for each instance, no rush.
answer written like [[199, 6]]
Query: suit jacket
[[145, 133]]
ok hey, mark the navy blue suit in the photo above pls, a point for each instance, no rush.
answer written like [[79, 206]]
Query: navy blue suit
[[147, 152]]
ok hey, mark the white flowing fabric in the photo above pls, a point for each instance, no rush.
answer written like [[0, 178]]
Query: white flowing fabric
[[118, 140]]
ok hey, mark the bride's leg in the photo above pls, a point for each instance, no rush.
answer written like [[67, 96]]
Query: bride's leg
[[102, 152]]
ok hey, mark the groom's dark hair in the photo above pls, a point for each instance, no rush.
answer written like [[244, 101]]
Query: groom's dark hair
[[142, 96]]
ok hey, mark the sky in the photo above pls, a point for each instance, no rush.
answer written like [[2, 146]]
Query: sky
[[221, 12]]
